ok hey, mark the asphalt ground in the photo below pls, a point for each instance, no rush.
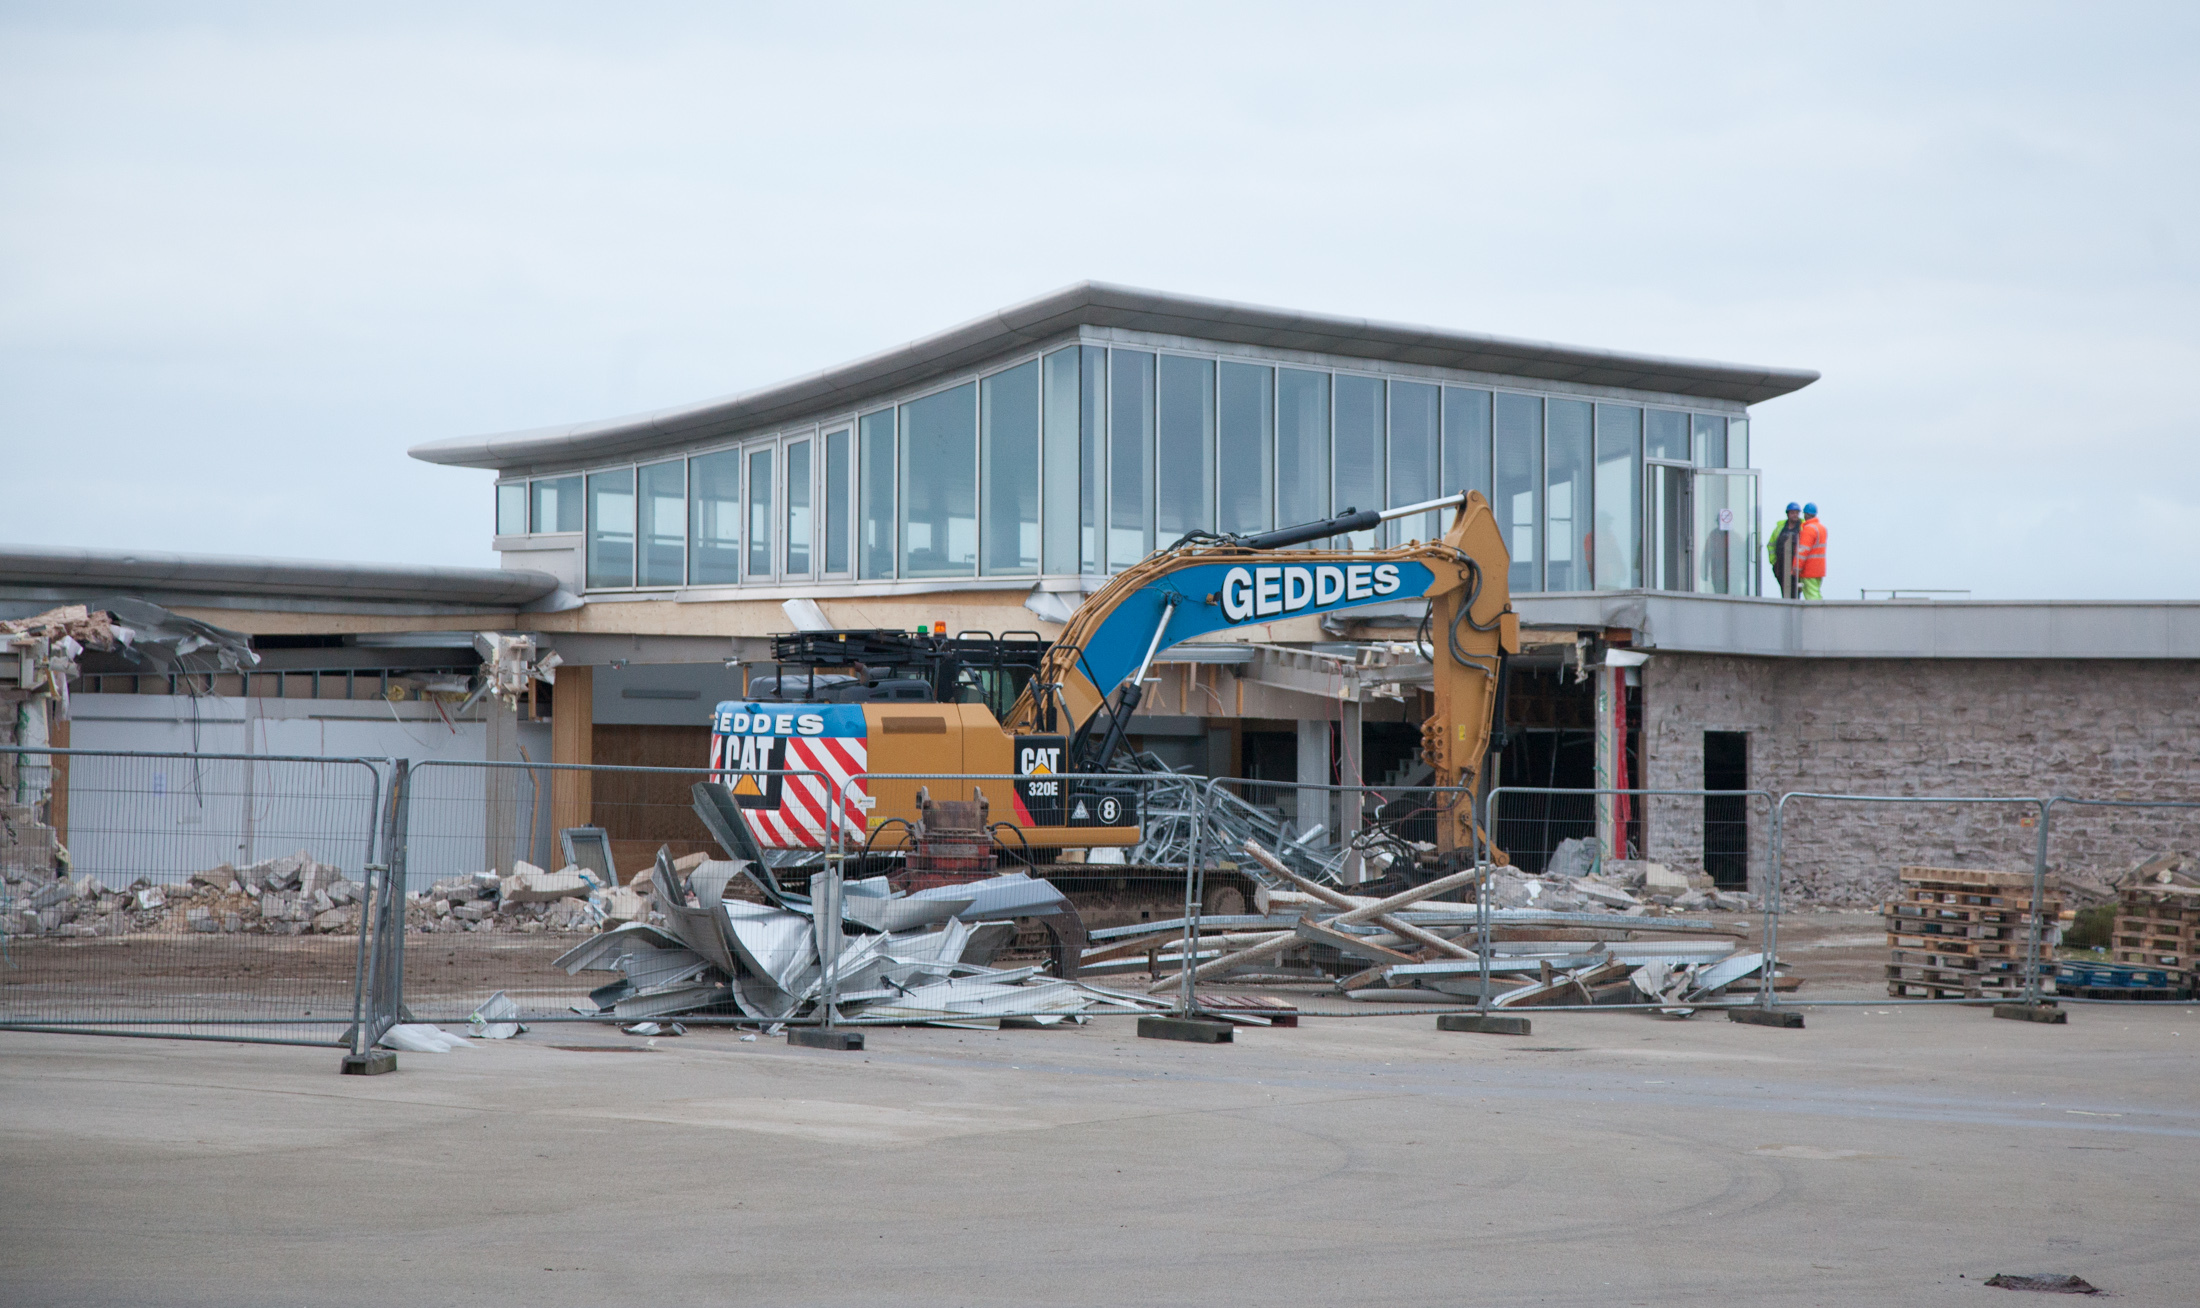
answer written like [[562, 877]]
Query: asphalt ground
[[1880, 1156]]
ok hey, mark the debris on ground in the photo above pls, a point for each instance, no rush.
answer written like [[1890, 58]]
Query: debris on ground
[[919, 957], [293, 895], [1415, 946], [2051, 1282], [496, 1019], [421, 1038]]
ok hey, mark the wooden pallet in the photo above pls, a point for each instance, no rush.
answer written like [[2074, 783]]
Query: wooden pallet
[[2158, 926], [1963, 933]]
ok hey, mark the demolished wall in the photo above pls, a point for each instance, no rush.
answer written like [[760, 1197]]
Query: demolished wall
[[2122, 729]]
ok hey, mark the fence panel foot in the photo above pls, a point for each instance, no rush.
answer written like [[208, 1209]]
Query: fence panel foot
[[810, 1037], [2047, 1013], [1485, 1023], [374, 1062], [1185, 1028], [1781, 1017]]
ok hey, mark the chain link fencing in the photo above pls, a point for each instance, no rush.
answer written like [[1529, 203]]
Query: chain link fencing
[[209, 896]]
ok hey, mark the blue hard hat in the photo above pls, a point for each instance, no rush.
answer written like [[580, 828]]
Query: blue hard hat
[[1810, 510], [1793, 507]]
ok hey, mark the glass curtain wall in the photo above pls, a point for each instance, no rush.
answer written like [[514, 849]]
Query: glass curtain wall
[[839, 473], [798, 525], [611, 528], [1466, 441], [1302, 446], [875, 509], [1008, 465], [1092, 422], [664, 525], [1566, 498], [512, 508], [1245, 443], [760, 511], [1518, 440], [1414, 455], [1358, 449], [1088, 458], [1616, 545], [1665, 435], [1184, 448], [1710, 440], [556, 505], [939, 484], [1130, 456], [1059, 480], [714, 507]]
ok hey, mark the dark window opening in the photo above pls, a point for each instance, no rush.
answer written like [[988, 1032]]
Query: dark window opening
[[1726, 817]]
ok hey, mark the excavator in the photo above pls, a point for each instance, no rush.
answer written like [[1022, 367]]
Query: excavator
[[797, 768]]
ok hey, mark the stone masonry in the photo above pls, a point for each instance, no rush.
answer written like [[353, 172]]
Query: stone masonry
[[2095, 729]]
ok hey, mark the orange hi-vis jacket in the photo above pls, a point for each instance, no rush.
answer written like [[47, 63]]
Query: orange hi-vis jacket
[[1810, 549]]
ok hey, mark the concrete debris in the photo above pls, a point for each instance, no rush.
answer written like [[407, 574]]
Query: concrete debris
[[310, 897], [919, 958], [662, 1029]]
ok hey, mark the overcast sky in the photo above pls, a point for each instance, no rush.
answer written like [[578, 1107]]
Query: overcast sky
[[249, 255]]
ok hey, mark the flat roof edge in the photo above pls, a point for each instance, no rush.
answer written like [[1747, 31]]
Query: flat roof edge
[[1109, 305], [89, 570]]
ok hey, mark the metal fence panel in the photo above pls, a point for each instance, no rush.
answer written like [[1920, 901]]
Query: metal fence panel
[[215, 896]]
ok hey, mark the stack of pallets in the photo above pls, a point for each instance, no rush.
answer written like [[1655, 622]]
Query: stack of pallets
[[2159, 926], [1953, 933]]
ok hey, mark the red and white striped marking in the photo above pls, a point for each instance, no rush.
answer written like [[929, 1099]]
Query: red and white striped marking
[[805, 802]]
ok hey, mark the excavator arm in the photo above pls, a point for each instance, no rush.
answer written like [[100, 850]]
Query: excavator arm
[[1090, 682]]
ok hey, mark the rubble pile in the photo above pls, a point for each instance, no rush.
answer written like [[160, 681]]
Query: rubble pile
[[920, 957], [1553, 940], [528, 901], [1576, 881], [288, 896]]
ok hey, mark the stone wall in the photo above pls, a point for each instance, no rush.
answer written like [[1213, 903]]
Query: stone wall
[[2096, 729]]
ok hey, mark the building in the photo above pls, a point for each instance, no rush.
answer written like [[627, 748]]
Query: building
[[989, 476]]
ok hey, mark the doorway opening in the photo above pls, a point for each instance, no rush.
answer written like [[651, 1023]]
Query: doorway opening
[[1726, 817]]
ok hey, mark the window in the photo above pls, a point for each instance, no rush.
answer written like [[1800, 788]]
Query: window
[[760, 511], [1566, 502], [556, 506], [1710, 440], [875, 516], [798, 508], [1092, 507], [1184, 448], [611, 528], [1518, 435], [1246, 440], [1060, 476], [714, 508], [1737, 443], [1302, 446], [1008, 465], [1357, 482], [1130, 457], [939, 484], [1666, 435], [1615, 547], [663, 524], [511, 508], [838, 471], [1466, 441], [1413, 455]]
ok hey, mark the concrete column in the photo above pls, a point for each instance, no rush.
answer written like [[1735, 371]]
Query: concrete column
[[501, 836], [1313, 805]]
